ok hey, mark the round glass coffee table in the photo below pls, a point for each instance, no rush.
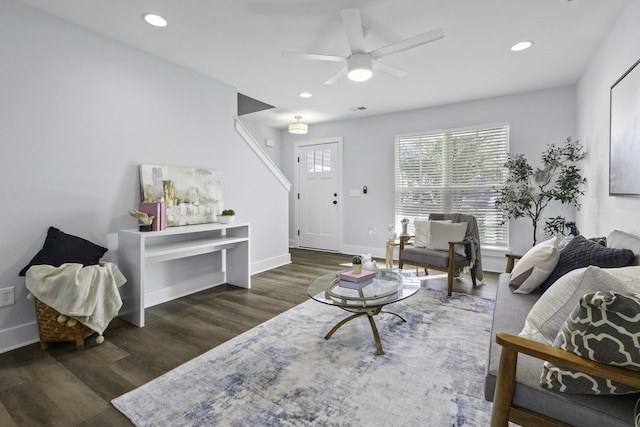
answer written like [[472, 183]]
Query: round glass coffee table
[[388, 286]]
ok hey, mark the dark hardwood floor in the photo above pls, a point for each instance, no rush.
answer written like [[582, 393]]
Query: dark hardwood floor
[[66, 387]]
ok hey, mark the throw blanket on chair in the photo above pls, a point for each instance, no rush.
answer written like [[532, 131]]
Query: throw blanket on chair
[[88, 294], [473, 236]]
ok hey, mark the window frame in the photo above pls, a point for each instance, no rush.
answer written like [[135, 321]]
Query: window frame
[[439, 158]]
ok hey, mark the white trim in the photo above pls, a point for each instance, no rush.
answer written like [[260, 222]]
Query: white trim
[[269, 263], [250, 140], [18, 336], [296, 186]]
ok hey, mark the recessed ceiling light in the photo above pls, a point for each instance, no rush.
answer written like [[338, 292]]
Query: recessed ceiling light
[[155, 20], [521, 46], [305, 95]]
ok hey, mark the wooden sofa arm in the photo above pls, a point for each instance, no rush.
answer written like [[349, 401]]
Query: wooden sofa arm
[[506, 381], [511, 261], [569, 360]]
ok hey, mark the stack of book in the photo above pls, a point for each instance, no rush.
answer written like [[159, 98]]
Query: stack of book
[[353, 280]]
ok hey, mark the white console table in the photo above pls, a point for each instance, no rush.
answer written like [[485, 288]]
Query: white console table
[[163, 265]]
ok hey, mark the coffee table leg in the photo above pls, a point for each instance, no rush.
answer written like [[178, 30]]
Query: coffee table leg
[[395, 314], [374, 328], [376, 336], [342, 322]]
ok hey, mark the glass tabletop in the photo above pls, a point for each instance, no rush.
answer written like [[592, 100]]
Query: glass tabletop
[[389, 286]]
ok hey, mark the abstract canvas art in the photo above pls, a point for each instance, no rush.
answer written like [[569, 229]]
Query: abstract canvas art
[[192, 196], [625, 134]]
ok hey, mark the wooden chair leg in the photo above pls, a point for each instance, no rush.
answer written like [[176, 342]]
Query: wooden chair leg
[[450, 279], [473, 276]]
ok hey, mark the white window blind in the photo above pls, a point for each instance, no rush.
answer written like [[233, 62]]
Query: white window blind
[[457, 170]]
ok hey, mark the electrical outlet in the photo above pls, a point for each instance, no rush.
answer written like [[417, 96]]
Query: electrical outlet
[[7, 296]]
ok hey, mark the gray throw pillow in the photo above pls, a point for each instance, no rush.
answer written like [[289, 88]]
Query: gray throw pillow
[[581, 252], [603, 328]]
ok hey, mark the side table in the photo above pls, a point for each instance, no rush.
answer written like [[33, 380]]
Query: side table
[[391, 245]]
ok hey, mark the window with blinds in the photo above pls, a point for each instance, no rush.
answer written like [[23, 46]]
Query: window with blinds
[[457, 170]]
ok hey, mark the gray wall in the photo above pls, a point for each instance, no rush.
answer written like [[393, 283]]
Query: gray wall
[[78, 114], [535, 118], [601, 213]]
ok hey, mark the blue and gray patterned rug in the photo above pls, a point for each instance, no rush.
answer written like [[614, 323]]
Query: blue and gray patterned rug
[[284, 373]]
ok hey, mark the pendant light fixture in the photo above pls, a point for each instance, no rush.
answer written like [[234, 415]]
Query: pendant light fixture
[[298, 128]]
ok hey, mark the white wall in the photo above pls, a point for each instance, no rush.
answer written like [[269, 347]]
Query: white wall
[[261, 133], [601, 213], [78, 114], [535, 118]]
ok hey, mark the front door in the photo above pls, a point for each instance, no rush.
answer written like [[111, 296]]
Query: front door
[[319, 172]]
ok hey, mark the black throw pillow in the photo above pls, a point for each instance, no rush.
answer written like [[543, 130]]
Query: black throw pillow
[[60, 248], [581, 252]]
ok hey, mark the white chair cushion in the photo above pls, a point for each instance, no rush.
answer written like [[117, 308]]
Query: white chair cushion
[[421, 226], [441, 233]]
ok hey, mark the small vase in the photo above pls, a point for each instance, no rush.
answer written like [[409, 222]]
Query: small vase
[[357, 268]]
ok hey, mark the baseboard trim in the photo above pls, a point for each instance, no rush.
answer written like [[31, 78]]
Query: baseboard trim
[[269, 263], [18, 336]]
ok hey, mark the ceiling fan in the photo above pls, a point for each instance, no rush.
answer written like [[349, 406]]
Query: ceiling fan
[[360, 64]]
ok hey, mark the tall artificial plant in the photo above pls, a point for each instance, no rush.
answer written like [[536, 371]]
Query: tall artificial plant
[[528, 191]]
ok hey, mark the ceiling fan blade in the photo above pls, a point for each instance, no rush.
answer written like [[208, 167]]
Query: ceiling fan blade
[[353, 28], [388, 69], [315, 56], [408, 44], [337, 76]]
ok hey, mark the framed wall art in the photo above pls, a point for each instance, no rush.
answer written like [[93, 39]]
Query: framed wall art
[[191, 195], [624, 138]]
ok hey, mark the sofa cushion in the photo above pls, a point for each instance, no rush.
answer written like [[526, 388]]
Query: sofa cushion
[[534, 267], [60, 248], [603, 328], [441, 233], [554, 306], [581, 252]]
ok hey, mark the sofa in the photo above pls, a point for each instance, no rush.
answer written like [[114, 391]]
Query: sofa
[[515, 365]]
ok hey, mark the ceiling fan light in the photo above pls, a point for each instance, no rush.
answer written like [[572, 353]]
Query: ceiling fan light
[[298, 128], [359, 74], [359, 67]]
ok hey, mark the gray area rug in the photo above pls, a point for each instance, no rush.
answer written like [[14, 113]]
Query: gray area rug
[[284, 373]]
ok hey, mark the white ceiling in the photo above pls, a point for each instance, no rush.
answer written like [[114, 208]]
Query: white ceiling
[[240, 42]]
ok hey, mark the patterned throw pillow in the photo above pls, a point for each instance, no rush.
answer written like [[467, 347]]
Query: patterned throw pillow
[[581, 252], [534, 267], [603, 328]]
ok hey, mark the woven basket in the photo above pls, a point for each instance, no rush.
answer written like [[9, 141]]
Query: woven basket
[[53, 331]]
